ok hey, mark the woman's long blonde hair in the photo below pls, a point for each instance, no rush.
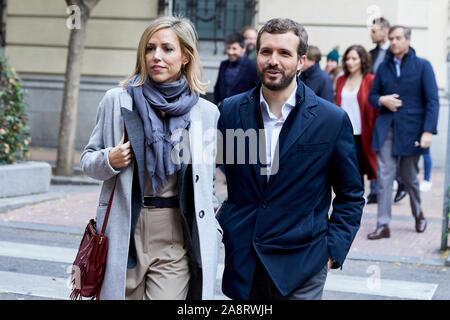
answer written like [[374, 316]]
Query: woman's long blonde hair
[[187, 36]]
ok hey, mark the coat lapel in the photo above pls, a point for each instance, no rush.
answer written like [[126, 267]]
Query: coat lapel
[[251, 118], [303, 119], [135, 130]]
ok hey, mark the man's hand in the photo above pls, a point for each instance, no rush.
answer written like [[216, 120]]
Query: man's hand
[[330, 263], [425, 140], [391, 102], [120, 156]]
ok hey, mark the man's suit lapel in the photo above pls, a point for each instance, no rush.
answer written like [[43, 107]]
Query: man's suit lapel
[[303, 119], [252, 119], [296, 126]]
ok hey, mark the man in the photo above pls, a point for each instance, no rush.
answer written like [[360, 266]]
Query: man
[[236, 74], [279, 240], [379, 35], [406, 94], [250, 35], [314, 77]]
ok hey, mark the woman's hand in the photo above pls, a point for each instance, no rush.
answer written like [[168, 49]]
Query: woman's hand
[[121, 155]]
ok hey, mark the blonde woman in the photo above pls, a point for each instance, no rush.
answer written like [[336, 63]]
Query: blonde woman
[[163, 235]]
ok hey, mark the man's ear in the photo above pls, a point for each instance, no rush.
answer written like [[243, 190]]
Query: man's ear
[[300, 63]]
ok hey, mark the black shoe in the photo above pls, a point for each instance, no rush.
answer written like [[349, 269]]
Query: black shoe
[[401, 193], [372, 198], [380, 233], [421, 223]]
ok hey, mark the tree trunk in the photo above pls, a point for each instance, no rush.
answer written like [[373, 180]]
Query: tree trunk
[[66, 138]]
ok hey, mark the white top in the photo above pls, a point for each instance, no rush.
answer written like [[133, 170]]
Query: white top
[[350, 104], [272, 126]]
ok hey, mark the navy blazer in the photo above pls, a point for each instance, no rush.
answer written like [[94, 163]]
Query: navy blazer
[[284, 222], [246, 79], [418, 91]]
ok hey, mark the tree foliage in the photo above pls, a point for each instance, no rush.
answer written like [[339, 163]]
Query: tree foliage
[[14, 132]]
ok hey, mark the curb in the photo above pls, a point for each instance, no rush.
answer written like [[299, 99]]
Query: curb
[[41, 227], [74, 180], [7, 204], [396, 259]]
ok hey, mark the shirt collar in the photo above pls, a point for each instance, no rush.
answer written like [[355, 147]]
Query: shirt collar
[[287, 107], [397, 61], [386, 45]]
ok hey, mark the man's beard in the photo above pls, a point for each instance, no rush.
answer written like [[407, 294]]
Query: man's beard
[[283, 83]]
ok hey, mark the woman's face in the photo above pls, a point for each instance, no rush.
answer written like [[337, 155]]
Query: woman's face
[[331, 65], [164, 57], [353, 62]]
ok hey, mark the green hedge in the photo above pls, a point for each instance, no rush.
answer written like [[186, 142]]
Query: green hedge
[[14, 132]]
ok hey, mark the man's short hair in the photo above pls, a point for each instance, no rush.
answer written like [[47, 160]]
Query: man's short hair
[[406, 30], [278, 25], [382, 23], [314, 54], [235, 37]]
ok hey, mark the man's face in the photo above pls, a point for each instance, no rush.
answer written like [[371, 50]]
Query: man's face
[[234, 51], [378, 34], [399, 44], [277, 60], [250, 36]]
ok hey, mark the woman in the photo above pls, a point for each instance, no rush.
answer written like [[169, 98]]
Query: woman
[[163, 235], [333, 68], [352, 94]]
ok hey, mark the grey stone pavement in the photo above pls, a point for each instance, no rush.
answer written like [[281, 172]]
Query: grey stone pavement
[[68, 206]]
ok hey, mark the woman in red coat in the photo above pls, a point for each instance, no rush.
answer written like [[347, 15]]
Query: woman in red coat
[[352, 94]]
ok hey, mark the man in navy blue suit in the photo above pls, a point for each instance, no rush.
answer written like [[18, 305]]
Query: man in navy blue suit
[[405, 92], [279, 238], [236, 74]]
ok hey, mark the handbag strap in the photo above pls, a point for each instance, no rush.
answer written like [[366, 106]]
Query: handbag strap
[[105, 222]]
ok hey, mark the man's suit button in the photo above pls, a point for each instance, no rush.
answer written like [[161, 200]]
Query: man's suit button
[[263, 205], [201, 214]]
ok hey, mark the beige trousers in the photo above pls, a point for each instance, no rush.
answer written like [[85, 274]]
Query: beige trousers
[[162, 271]]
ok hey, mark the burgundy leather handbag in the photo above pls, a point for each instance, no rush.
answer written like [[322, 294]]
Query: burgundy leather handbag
[[88, 269]]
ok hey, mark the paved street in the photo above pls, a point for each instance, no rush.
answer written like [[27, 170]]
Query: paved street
[[40, 234], [36, 265]]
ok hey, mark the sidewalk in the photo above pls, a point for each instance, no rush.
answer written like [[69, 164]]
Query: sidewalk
[[71, 207]]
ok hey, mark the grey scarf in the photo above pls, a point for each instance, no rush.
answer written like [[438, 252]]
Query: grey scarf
[[176, 100]]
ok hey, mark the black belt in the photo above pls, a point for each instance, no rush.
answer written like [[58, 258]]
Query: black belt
[[159, 202]]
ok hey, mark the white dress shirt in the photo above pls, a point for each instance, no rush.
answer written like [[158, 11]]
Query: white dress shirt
[[273, 125], [349, 103]]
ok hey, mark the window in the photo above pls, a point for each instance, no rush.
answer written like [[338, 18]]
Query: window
[[214, 19]]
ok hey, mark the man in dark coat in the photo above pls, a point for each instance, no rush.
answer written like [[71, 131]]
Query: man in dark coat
[[292, 149], [379, 36], [316, 78], [406, 94], [236, 74]]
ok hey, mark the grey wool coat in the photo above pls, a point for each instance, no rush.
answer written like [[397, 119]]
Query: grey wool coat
[[195, 180]]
